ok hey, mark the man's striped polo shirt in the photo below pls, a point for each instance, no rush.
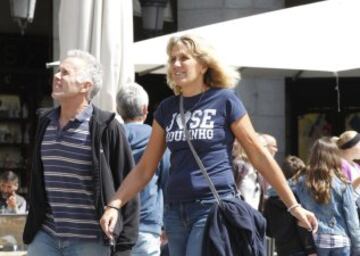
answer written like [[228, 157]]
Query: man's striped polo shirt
[[69, 183]]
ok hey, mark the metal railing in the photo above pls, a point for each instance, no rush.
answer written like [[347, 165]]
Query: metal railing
[[270, 247]]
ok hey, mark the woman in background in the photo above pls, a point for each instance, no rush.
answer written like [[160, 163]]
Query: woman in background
[[349, 144], [247, 179], [326, 191]]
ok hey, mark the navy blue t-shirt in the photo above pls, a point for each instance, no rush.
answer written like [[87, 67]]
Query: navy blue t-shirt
[[208, 117]]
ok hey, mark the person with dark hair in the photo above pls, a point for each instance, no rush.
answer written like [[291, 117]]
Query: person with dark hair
[[290, 238], [293, 166], [81, 156], [325, 190], [214, 117], [10, 201]]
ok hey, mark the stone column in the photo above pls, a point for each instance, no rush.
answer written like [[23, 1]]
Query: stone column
[[56, 44]]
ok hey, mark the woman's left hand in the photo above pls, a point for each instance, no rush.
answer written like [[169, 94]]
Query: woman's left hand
[[306, 219]]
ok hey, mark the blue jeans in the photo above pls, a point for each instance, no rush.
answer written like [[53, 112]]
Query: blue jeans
[[147, 244], [341, 251], [184, 226], [44, 244]]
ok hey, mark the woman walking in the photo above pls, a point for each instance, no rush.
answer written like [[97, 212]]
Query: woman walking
[[214, 116]]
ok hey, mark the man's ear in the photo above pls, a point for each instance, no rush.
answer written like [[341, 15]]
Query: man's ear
[[86, 86], [145, 110]]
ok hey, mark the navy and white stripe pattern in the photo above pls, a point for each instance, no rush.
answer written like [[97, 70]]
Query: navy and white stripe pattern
[[69, 182]]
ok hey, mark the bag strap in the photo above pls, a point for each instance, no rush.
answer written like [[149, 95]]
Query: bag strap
[[196, 156]]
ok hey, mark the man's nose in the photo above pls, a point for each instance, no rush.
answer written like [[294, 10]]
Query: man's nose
[[57, 76]]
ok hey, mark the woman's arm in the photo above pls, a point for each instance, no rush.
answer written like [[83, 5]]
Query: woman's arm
[[351, 219], [266, 164], [137, 179]]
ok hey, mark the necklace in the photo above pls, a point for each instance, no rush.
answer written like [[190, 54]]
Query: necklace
[[187, 112]]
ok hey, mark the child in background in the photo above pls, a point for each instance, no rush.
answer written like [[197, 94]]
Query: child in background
[[325, 190], [290, 238]]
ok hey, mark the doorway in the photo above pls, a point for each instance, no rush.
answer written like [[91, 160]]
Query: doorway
[[314, 109]]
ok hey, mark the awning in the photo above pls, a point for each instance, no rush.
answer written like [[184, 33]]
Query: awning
[[313, 40]]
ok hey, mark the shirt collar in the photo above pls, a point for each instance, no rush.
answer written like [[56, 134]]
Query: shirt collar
[[84, 115]]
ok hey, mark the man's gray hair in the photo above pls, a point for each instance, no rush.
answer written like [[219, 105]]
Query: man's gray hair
[[92, 71], [130, 101]]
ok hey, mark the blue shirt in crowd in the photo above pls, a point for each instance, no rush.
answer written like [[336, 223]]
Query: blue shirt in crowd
[[152, 196]]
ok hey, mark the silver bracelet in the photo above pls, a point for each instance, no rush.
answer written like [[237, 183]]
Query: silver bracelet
[[293, 207]]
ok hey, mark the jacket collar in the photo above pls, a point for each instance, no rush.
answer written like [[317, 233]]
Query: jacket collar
[[101, 117]]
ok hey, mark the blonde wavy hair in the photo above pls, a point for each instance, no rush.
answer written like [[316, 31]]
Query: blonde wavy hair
[[324, 162], [217, 75]]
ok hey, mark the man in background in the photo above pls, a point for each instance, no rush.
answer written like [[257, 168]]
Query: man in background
[[270, 143], [132, 104], [10, 201]]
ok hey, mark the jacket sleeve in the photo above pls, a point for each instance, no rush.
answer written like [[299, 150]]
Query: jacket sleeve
[[121, 161], [352, 219]]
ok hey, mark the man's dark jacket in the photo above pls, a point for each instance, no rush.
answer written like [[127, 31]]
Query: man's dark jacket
[[289, 237], [234, 229], [112, 161]]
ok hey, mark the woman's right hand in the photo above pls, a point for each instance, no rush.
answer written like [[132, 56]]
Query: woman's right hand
[[108, 221], [306, 219]]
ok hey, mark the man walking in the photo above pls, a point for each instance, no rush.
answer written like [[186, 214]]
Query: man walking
[[81, 156]]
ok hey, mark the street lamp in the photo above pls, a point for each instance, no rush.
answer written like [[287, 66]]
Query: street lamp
[[22, 12], [153, 15]]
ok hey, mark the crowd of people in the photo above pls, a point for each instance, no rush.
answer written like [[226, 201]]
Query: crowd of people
[[99, 187], [328, 186]]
